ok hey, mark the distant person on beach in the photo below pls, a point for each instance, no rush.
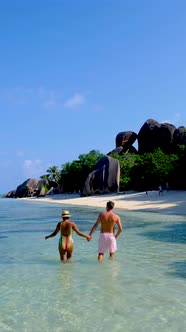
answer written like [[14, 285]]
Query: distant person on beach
[[167, 186], [160, 190], [107, 239], [66, 243]]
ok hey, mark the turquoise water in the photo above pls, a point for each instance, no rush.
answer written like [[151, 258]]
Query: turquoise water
[[143, 289]]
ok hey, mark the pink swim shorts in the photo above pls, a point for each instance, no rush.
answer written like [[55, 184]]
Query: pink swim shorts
[[107, 242]]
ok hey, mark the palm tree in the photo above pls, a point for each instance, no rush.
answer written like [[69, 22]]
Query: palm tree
[[44, 177], [53, 173]]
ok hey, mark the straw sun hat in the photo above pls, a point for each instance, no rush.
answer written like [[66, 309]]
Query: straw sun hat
[[65, 213]]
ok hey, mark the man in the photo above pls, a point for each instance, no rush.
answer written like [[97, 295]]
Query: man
[[107, 238]]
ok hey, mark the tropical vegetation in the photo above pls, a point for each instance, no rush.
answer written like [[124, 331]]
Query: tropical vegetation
[[138, 172], [72, 176]]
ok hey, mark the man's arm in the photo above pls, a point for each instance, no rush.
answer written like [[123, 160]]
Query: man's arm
[[75, 228], [54, 233], [95, 226], [120, 228]]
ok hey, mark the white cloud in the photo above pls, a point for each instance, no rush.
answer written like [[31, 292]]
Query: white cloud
[[33, 168], [42, 97], [76, 100], [45, 98]]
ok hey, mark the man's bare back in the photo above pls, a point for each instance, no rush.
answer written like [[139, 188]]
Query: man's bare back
[[108, 220]]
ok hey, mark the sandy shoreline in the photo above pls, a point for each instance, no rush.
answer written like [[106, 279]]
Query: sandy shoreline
[[173, 202]]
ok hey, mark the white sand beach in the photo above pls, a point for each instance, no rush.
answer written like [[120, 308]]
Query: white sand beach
[[173, 202]]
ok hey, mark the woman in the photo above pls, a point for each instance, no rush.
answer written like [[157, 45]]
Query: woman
[[66, 243]]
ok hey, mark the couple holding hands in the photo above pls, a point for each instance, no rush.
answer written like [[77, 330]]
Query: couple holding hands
[[107, 239]]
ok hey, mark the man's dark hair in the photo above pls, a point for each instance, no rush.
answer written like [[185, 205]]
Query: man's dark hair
[[110, 205]]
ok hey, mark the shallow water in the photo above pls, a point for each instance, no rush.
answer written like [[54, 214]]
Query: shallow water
[[143, 289]]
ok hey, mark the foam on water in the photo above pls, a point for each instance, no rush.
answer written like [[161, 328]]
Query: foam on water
[[143, 289]]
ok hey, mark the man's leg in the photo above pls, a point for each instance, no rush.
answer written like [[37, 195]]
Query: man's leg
[[111, 255], [100, 256], [102, 246], [112, 246]]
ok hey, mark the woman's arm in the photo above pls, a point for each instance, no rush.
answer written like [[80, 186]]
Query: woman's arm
[[75, 228], [55, 232]]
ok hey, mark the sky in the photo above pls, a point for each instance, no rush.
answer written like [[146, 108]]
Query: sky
[[75, 73]]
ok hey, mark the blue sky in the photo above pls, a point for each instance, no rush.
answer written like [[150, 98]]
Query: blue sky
[[75, 73]]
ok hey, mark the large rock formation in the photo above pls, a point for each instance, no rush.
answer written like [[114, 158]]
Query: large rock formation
[[105, 177], [30, 188], [153, 135], [124, 141], [10, 194], [179, 137], [118, 150]]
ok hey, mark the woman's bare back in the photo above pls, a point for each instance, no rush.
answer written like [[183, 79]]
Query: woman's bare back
[[66, 228]]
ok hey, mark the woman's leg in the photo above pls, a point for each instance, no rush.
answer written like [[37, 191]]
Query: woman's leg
[[62, 253], [70, 251]]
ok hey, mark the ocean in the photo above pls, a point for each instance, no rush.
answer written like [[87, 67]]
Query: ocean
[[142, 290]]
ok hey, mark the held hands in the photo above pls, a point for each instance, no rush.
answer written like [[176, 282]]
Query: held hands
[[89, 238]]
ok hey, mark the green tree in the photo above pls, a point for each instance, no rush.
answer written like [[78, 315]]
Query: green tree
[[152, 169], [180, 174], [45, 177], [64, 177], [90, 159], [53, 173], [127, 161], [73, 175]]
